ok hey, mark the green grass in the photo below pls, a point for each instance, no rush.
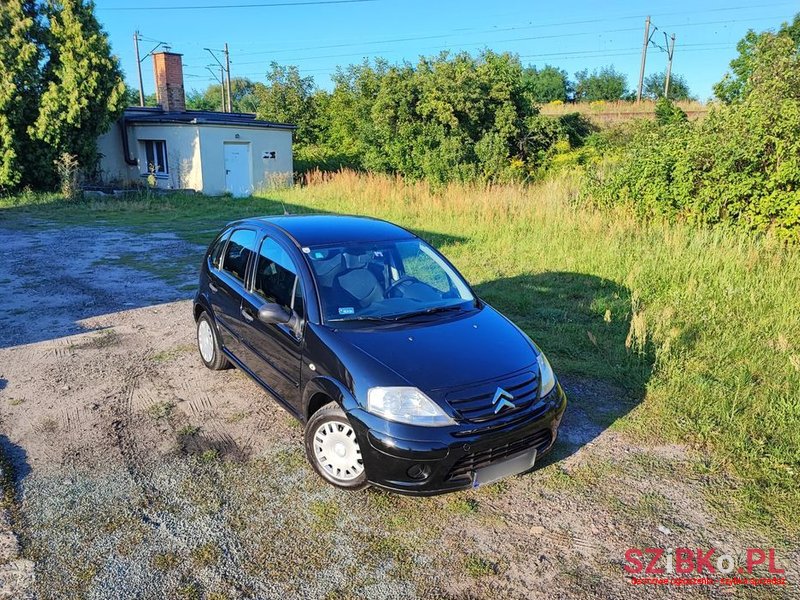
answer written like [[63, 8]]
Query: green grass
[[700, 328]]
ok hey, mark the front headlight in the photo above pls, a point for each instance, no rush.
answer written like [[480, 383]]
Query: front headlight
[[546, 374], [406, 405]]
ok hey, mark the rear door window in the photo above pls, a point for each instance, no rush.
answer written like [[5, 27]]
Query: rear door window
[[215, 255], [276, 277], [238, 252]]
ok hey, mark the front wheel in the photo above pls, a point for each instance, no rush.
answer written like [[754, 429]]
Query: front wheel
[[333, 450], [208, 344]]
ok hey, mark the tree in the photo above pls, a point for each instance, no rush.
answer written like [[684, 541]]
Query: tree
[[734, 85], [20, 53], [545, 85], [242, 94], [83, 88], [654, 87], [603, 84], [446, 118], [288, 98], [131, 98]]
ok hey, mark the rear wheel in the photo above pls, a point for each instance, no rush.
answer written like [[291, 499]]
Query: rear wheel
[[208, 344], [333, 450]]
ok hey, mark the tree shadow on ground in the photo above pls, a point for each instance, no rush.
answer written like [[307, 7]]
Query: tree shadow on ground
[[583, 324], [14, 465], [124, 254]]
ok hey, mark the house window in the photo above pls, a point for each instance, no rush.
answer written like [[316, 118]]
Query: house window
[[156, 153]]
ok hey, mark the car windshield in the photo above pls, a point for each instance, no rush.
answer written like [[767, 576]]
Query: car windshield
[[389, 280]]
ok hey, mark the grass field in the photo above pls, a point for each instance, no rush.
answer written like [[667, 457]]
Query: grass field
[[702, 328]]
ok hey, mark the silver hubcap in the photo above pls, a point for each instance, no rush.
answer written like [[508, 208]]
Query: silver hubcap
[[337, 451], [205, 340]]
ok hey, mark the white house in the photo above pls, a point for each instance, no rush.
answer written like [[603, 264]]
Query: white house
[[209, 152]]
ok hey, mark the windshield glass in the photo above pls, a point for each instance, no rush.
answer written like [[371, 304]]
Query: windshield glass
[[385, 280]]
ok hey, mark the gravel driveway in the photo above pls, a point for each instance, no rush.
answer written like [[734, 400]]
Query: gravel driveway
[[140, 474]]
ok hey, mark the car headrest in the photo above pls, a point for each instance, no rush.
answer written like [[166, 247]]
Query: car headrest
[[355, 261]]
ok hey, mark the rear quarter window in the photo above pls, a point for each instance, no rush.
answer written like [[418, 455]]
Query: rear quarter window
[[238, 252], [215, 256]]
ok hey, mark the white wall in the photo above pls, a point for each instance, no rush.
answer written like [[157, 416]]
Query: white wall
[[196, 155], [265, 172], [113, 167], [183, 155]]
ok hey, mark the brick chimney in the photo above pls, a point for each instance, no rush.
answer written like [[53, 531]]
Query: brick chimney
[[168, 69]]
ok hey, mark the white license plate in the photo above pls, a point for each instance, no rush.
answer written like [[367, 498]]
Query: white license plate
[[505, 468]]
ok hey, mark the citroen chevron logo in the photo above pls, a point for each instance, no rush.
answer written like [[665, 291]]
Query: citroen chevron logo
[[502, 399]]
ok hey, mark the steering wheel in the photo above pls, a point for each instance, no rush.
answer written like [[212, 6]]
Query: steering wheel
[[405, 279]]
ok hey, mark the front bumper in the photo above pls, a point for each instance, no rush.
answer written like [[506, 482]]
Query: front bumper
[[391, 452]]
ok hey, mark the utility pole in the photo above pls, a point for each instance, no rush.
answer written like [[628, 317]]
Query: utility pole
[[228, 71], [222, 88], [138, 66], [644, 57], [670, 54], [221, 80]]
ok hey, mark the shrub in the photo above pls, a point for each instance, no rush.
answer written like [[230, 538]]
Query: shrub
[[667, 112], [739, 167]]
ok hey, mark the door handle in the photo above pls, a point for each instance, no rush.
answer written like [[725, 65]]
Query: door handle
[[248, 316], [212, 287]]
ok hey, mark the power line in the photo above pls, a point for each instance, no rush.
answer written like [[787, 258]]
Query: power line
[[230, 6], [503, 29], [506, 40], [582, 55]]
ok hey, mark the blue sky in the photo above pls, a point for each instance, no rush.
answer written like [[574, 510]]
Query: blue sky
[[571, 35]]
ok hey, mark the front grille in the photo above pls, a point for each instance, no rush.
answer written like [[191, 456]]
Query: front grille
[[465, 465], [474, 404]]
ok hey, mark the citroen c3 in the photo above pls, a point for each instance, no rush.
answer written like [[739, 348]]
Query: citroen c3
[[403, 378]]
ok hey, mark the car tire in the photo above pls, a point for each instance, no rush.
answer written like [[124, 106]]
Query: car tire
[[208, 344], [333, 450]]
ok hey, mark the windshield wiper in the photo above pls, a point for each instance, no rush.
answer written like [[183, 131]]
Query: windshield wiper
[[427, 311], [360, 318]]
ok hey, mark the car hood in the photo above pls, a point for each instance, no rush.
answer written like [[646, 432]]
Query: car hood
[[447, 351]]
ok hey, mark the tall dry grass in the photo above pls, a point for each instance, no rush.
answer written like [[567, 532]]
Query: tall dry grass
[[606, 113]]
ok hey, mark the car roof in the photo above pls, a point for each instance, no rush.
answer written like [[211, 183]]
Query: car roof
[[323, 230]]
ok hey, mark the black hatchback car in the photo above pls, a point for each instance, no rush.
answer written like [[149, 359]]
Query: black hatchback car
[[403, 377]]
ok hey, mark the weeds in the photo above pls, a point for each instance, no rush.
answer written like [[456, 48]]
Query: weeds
[[477, 567], [188, 430], [461, 506], [209, 456], [205, 555], [166, 561], [68, 171], [160, 410]]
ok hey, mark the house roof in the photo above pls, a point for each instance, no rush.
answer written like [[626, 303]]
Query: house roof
[[155, 114]]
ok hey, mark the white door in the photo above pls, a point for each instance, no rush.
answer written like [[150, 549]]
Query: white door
[[237, 169]]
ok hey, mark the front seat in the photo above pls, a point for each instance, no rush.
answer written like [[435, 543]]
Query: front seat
[[356, 283]]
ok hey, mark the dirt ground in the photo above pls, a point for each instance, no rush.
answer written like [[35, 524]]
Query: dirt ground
[[137, 473]]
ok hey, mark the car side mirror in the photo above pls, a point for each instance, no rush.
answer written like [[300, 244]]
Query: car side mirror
[[272, 313]]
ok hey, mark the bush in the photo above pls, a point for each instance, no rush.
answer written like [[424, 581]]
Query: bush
[[738, 167], [666, 112]]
